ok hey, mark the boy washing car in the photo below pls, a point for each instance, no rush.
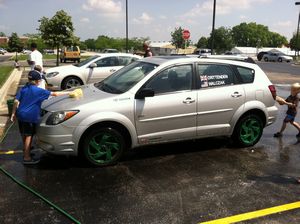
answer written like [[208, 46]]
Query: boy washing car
[[26, 110]]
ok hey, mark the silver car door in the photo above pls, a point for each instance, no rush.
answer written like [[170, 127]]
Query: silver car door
[[218, 99], [171, 113]]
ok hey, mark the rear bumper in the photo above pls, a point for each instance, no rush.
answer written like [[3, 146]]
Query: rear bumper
[[272, 115]]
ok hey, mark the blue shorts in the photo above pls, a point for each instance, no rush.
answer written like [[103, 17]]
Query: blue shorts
[[289, 118], [26, 128]]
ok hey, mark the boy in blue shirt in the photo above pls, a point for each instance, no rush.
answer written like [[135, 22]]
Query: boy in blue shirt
[[27, 108]]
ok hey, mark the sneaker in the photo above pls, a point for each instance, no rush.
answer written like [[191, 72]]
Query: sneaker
[[278, 134], [31, 161]]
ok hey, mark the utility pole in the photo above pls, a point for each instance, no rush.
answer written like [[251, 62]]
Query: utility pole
[[213, 28], [126, 26], [297, 34]]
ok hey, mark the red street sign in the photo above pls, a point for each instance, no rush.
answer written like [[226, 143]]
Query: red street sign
[[186, 34]]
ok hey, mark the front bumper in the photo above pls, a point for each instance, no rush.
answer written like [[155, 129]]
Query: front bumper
[[57, 140]]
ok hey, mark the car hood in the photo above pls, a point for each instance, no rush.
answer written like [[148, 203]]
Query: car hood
[[63, 68], [89, 94]]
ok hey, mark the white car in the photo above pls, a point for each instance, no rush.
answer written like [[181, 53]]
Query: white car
[[93, 69], [25, 51], [3, 51], [271, 56]]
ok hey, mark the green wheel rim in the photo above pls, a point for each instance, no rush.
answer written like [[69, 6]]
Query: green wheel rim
[[103, 148], [250, 131]]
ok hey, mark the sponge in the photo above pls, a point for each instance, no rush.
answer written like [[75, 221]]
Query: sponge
[[76, 93]]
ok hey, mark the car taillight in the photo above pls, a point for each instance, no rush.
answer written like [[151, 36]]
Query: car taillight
[[273, 91]]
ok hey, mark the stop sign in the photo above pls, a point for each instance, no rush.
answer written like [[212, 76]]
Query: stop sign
[[186, 34]]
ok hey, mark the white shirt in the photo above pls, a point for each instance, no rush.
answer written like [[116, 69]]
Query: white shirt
[[37, 58]]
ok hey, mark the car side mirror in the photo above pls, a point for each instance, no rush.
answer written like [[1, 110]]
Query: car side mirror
[[145, 92], [93, 65]]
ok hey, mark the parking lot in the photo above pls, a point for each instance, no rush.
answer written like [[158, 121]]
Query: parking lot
[[188, 182]]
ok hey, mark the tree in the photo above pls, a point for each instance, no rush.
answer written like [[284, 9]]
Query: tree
[[15, 44], [277, 40], [177, 39], [295, 43], [256, 35], [2, 34], [222, 40], [202, 43], [58, 31]]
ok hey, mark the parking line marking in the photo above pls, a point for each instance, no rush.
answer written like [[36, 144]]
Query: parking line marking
[[254, 214], [8, 152]]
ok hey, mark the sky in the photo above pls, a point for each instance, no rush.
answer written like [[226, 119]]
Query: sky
[[155, 19]]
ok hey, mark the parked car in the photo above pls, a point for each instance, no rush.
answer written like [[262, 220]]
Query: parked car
[[3, 51], [110, 51], [26, 51], [260, 55], [48, 51], [157, 100], [93, 69], [272, 56], [202, 52]]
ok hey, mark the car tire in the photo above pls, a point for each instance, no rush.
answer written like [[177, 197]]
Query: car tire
[[71, 82], [248, 131], [279, 59], [266, 59], [103, 146]]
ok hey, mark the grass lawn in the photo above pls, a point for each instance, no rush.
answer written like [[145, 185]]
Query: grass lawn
[[4, 73], [24, 57]]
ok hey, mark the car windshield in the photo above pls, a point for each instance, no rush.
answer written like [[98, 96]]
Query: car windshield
[[125, 78], [86, 61]]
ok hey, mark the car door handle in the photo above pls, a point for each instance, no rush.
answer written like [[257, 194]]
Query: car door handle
[[112, 70], [236, 94], [188, 100]]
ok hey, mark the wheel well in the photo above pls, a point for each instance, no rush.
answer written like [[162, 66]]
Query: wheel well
[[119, 127], [71, 76], [257, 112]]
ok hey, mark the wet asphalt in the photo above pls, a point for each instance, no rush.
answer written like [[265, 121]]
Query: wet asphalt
[[187, 182]]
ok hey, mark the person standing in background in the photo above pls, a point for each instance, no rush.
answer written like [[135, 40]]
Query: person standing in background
[[147, 50], [35, 60], [35, 57]]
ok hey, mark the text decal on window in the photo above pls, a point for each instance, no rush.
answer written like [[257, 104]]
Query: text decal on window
[[213, 80]]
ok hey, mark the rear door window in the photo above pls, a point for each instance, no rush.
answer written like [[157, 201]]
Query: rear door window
[[246, 74], [214, 75]]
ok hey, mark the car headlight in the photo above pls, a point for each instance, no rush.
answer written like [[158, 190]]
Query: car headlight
[[60, 116], [51, 74]]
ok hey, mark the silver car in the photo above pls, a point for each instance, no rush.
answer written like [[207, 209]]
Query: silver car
[[273, 56], [156, 100]]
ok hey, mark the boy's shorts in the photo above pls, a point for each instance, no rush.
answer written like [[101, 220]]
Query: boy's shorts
[[289, 118], [26, 128]]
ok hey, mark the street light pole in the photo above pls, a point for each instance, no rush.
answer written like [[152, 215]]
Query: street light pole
[[126, 26], [297, 34], [213, 28]]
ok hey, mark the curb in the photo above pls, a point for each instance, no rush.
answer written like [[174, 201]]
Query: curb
[[8, 90], [14, 77]]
